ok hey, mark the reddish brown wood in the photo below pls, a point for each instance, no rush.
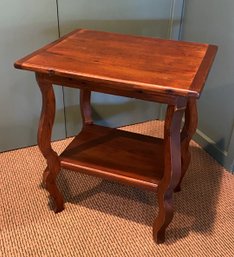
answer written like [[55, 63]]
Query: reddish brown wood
[[172, 169], [204, 68], [85, 107], [111, 88], [152, 69], [124, 61], [189, 129], [44, 142], [117, 155]]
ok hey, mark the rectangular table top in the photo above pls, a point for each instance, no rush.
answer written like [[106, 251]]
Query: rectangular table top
[[164, 66]]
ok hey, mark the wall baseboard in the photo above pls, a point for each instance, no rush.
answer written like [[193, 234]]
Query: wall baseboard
[[211, 147]]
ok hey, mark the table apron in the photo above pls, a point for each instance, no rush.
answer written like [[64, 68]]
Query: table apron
[[112, 88]]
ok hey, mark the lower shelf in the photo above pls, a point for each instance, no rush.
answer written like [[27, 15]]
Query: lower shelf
[[117, 155]]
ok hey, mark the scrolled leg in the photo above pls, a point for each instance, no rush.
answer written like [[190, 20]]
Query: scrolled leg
[[172, 170], [44, 177], [44, 142], [190, 125], [85, 106], [164, 217]]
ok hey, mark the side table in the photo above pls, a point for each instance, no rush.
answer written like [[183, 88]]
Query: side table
[[164, 71]]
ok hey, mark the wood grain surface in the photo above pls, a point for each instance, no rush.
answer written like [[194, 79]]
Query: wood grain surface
[[171, 67]]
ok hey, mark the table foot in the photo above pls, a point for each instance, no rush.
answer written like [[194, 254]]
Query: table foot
[[164, 217], [49, 181], [177, 189], [55, 195]]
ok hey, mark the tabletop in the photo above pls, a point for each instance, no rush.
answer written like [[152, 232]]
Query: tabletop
[[164, 66]]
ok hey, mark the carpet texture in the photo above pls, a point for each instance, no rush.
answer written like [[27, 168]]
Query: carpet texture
[[103, 218]]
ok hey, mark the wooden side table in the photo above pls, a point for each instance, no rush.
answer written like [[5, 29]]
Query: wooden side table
[[164, 71]]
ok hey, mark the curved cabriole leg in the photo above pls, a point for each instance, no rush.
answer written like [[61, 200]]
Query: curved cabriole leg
[[44, 142], [189, 128], [172, 170], [85, 107], [44, 177]]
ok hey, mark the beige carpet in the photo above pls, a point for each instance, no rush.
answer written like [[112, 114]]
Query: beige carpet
[[109, 219]]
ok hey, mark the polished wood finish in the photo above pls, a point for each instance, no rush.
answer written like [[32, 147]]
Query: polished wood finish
[[85, 107], [123, 61], [172, 169], [113, 89], [165, 71], [189, 128], [106, 152], [44, 142]]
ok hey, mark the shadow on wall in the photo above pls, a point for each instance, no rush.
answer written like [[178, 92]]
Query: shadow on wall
[[216, 113], [216, 121], [16, 133], [114, 114], [150, 27]]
